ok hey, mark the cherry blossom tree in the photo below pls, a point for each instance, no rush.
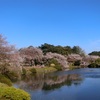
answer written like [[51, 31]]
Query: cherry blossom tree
[[31, 55]]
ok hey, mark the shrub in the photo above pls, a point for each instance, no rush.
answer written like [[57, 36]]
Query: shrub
[[77, 63], [23, 71], [5, 80], [97, 61], [13, 76], [11, 93], [6, 70], [59, 68], [33, 70], [54, 63], [93, 65]]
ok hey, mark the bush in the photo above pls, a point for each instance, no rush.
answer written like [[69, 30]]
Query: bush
[[5, 80], [97, 61], [13, 76], [23, 71], [54, 63], [11, 93], [6, 70], [77, 63], [33, 70], [93, 65], [59, 68]]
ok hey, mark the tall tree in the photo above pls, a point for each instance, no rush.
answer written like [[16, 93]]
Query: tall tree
[[7, 53], [31, 55], [78, 50]]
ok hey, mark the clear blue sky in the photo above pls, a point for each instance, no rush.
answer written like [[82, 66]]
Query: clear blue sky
[[58, 22]]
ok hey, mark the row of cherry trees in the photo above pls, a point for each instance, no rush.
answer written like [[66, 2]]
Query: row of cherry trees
[[34, 56], [11, 58]]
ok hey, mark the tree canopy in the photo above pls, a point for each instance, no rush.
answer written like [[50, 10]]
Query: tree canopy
[[95, 53], [64, 50]]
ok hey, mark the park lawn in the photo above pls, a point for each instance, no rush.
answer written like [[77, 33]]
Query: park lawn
[[45, 69], [41, 70]]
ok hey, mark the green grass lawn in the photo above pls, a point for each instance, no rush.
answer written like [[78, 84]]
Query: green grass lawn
[[45, 69], [41, 70]]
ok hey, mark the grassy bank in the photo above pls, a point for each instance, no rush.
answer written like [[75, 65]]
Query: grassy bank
[[7, 92], [45, 70], [27, 70], [11, 93]]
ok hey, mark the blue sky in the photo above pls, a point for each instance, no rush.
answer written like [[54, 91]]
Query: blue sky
[[58, 22]]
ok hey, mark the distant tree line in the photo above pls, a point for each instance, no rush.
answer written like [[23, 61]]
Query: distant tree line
[[96, 53], [63, 50]]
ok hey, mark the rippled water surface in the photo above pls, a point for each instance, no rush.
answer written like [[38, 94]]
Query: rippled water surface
[[80, 84]]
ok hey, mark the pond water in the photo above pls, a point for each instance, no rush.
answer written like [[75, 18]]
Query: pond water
[[79, 84]]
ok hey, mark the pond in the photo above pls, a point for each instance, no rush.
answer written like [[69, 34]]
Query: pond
[[79, 84]]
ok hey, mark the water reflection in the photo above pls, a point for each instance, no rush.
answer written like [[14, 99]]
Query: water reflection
[[59, 81], [48, 82], [80, 84], [56, 80]]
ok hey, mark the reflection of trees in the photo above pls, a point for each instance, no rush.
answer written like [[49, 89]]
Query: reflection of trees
[[55, 86], [63, 80], [47, 82]]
